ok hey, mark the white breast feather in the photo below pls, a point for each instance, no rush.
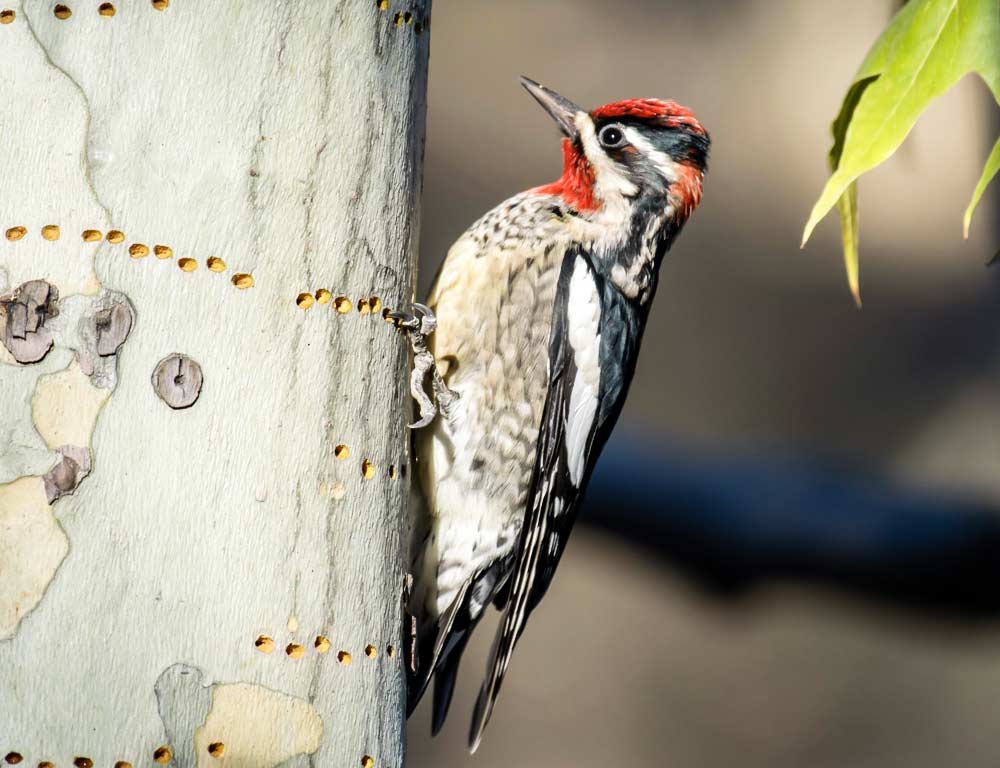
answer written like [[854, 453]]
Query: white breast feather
[[584, 318]]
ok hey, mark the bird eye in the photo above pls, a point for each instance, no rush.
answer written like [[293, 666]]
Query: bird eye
[[611, 136]]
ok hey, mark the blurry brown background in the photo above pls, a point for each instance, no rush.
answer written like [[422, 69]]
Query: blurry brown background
[[754, 347]]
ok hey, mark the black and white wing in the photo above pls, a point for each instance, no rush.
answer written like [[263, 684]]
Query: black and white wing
[[592, 353]]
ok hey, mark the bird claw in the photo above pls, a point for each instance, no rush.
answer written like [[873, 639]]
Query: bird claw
[[418, 325]]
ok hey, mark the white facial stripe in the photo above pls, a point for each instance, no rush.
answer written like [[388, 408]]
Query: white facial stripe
[[663, 162], [610, 183]]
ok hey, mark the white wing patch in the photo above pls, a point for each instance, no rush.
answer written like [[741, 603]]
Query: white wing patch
[[584, 321]]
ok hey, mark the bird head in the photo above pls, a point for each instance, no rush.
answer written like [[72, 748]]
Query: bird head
[[626, 151]]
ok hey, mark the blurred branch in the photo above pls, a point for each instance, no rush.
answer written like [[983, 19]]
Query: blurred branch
[[733, 523]]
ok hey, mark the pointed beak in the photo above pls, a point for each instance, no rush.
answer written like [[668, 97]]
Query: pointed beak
[[562, 110]]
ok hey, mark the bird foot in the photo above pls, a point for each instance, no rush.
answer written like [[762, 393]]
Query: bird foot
[[418, 325]]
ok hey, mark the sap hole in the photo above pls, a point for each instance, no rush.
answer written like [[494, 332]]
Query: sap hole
[[163, 755], [106, 9], [367, 469], [83, 762], [264, 644], [16, 233], [341, 452], [295, 651], [344, 657], [243, 281], [138, 251], [390, 651], [50, 232], [91, 236], [13, 758], [364, 307], [418, 28], [187, 265], [323, 296], [116, 236], [367, 762], [7, 16], [408, 17], [163, 251], [392, 471], [382, 5], [371, 651], [376, 304], [216, 749], [342, 304], [47, 764], [161, 5], [215, 264], [321, 644], [304, 300], [398, 19], [62, 12], [123, 764]]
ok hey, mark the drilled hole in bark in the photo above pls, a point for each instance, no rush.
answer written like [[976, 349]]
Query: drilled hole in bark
[[364, 307], [216, 264], [367, 762], [264, 644], [163, 251], [161, 5], [7, 16], [398, 19], [163, 755], [371, 651], [13, 758], [243, 281], [392, 471], [47, 764], [322, 645], [323, 296], [83, 762], [385, 316], [341, 452], [376, 304], [50, 232], [382, 5], [344, 657], [91, 235], [216, 749], [390, 650], [116, 236], [138, 251], [122, 764], [62, 12], [408, 17], [367, 470], [15, 233], [418, 28], [342, 304], [402, 470], [304, 300], [106, 9], [187, 265], [295, 651]]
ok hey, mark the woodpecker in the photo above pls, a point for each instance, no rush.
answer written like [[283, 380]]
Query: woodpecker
[[531, 335]]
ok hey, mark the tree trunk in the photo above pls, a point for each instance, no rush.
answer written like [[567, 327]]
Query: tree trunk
[[204, 209]]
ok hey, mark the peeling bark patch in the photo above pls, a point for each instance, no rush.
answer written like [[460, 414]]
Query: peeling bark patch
[[177, 380], [65, 477], [65, 407], [24, 314], [260, 728], [112, 326], [32, 546]]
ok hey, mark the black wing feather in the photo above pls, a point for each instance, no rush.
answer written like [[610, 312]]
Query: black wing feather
[[554, 500]]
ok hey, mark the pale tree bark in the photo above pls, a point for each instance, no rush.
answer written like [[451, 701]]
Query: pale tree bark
[[205, 206]]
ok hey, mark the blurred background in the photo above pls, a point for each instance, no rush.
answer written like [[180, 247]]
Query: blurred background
[[791, 553]]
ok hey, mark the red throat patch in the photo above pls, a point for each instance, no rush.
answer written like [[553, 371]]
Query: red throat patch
[[685, 192], [576, 185]]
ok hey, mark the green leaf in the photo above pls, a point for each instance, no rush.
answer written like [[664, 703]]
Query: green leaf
[[992, 166], [927, 48]]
